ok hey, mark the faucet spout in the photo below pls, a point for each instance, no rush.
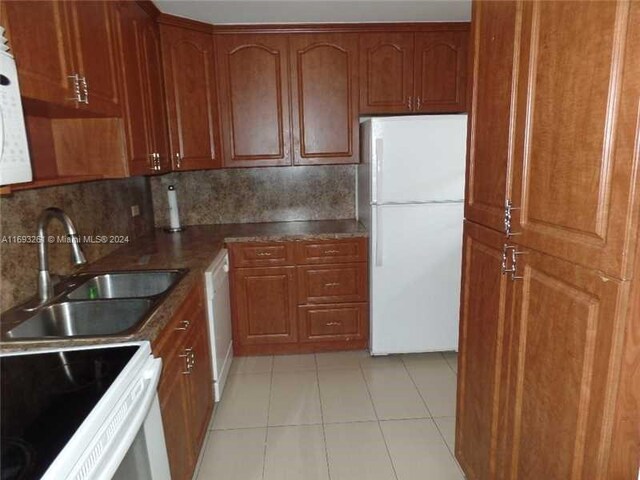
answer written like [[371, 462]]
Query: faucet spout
[[45, 287]]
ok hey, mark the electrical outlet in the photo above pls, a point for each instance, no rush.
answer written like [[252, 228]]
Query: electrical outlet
[[135, 210]]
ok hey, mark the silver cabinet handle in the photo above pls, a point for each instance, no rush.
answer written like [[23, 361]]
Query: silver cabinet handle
[[190, 358], [333, 324], [418, 103], [75, 85], [85, 91], [185, 325], [264, 254], [410, 104], [155, 161], [178, 160], [333, 284]]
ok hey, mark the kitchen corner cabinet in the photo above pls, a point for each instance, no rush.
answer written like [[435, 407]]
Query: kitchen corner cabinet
[[301, 296], [254, 99], [413, 72], [186, 384], [324, 86], [189, 80], [66, 54]]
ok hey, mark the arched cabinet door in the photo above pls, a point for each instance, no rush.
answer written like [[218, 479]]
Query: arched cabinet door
[[188, 61], [386, 72], [254, 99], [324, 77], [440, 66]]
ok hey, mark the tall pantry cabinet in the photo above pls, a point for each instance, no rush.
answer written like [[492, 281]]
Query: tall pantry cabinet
[[549, 377]]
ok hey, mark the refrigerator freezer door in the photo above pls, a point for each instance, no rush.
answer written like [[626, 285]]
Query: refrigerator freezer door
[[418, 159], [415, 277]]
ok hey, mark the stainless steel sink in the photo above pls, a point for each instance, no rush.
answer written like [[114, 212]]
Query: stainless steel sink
[[92, 305], [87, 318], [125, 285]]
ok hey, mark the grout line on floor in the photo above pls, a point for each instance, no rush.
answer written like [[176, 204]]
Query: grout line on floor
[[266, 433], [416, 387], [324, 433], [393, 466]]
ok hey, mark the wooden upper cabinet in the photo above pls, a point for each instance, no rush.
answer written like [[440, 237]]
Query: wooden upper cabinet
[[490, 150], [93, 39], [38, 34], [324, 77], [440, 66], [155, 103], [576, 168], [386, 72], [485, 308], [254, 99], [130, 22], [566, 344], [189, 78]]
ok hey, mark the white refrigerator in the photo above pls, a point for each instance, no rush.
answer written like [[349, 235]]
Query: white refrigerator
[[411, 199]]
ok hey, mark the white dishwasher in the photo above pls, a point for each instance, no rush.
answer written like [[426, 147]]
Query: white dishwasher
[[219, 312]]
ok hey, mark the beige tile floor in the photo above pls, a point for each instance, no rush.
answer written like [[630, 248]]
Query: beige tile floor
[[335, 416]]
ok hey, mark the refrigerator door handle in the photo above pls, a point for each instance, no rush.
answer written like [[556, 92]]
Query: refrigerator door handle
[[379, 163], [378, 237]]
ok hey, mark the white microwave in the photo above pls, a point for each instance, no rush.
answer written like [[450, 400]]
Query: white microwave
[[15, 166]]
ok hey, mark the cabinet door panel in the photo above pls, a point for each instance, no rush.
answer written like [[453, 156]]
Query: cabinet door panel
[[96, 53], [174, 405], [576, 165], [440, 71], [484, 327], [332, 283], [265, 305], [386, 72], [568, 331], [329, 323], [200, 378], [254, 99], [38, 34], [130, 21], [325, 98], [155, 104], [188, 61], [496, 39]]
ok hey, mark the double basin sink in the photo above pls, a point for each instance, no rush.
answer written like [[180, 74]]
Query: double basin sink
[[90, 305]]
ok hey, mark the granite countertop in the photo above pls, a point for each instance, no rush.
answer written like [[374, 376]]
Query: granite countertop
[[195, 249]]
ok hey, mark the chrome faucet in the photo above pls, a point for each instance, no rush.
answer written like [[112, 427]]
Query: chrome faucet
[[45, 287]]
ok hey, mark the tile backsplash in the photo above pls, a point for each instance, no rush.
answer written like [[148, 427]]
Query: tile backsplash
[[250, 195], [96, 208]]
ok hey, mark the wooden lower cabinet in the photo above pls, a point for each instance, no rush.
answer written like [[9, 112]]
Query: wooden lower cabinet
[[186, 385], [540, 356], [265, 305], [484, 322], [566, 349], [296, 308], [331, 323]]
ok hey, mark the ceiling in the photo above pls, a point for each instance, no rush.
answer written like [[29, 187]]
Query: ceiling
[[313, 11]]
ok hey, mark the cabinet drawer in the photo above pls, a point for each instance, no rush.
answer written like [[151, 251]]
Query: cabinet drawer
[[261, 254], [332, 251], [341, 322], [332, 283]]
